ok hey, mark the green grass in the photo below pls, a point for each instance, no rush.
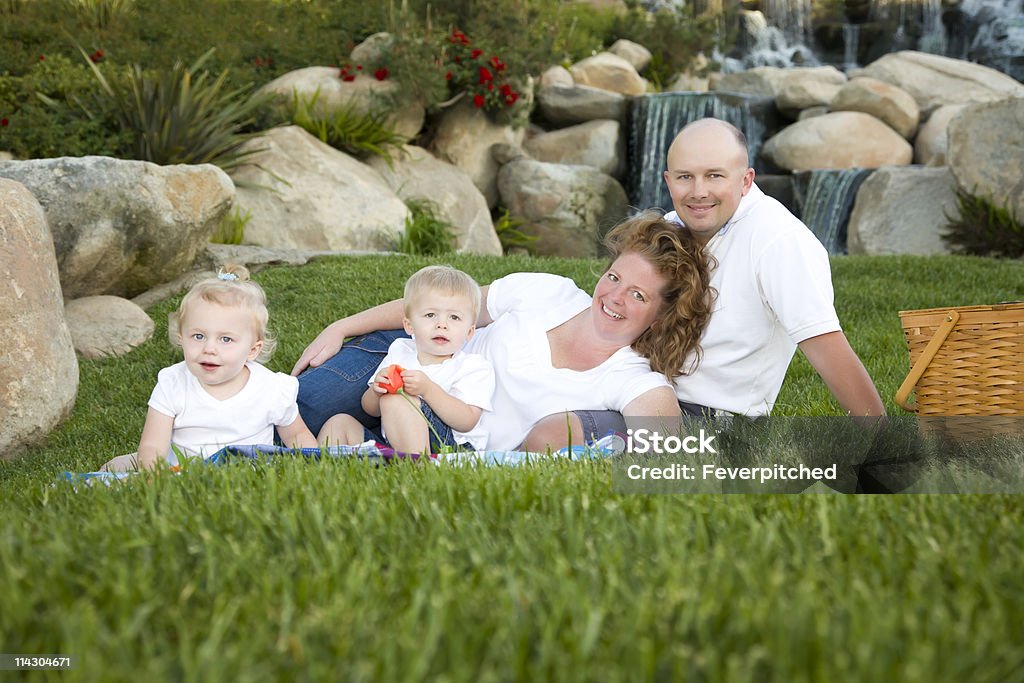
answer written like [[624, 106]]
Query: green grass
[[339, 571]]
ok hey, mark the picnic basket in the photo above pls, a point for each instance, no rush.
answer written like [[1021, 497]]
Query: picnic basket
[[966, 362]]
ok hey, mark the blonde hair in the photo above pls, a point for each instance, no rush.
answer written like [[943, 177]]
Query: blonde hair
[[686, 297], [444, 279], [232, 287]]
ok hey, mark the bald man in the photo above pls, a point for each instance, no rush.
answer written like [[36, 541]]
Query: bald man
[[773, 281]]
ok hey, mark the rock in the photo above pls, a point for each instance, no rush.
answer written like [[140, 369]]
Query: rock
[[634, 53], [599, 144], [931, 144], [415, 173], [363, 94], [556, 76], [761, 80], [843, 139], [565, 106], [901, 210], [884, 101], [6, 156], [464, 138], [933, 80], [39, 371], [304, 194], [808, 87], [121, 227], [105, 326], [568, 208], [684, 82], [608, 72], [811, 112], [986, 145], [373, 50]]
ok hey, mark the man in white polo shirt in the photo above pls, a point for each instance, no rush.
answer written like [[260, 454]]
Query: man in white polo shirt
[[774, 289], [773, 281]]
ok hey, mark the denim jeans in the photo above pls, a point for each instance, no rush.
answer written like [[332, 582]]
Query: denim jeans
[[337, 386]]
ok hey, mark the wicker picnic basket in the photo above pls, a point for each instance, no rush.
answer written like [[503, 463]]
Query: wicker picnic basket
[[966, 361]]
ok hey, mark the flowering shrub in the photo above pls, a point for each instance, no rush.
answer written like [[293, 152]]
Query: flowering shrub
[[482, 77]]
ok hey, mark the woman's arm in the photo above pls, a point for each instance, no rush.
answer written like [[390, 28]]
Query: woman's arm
[[155, 442], [658, 402], [383, 317]]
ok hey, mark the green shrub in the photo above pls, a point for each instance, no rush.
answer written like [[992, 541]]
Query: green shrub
[[44, 118], [100, 14], [984, 228], [231, 229], [348, 128], [426, 233], [509, 234], [179, 115]]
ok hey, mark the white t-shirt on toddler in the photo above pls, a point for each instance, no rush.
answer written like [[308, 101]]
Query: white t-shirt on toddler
[[466, 376]]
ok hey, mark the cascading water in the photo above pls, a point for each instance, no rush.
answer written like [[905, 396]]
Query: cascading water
[[851, 38], [656, 119], [825, 199]]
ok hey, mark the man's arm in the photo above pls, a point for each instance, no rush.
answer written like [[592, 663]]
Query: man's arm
[[841, 370]]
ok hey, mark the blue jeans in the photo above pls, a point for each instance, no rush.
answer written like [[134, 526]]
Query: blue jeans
[[337, 386]]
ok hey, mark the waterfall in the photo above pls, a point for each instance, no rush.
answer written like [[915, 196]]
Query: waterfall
[[825, 198], [851, 38], [793, 17], [656, 119]]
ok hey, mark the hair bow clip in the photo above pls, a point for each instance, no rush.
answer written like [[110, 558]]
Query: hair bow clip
[[221, 275]]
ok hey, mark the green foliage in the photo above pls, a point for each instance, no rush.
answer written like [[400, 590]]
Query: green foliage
[[231, 229], [346, 127], [511, 237], [983, 228], [180, 115], [44, 119], [426, 232], [100, 14]]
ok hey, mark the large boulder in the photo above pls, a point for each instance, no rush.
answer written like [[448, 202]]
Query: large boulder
[[417, 174], [600, 144], [762, 80], [556, 75], [882, 100], [609, 72], [568, 208], [38, 368], [121, 227], [808, 87], [634, 53], [464, 138], [564, 106], [363, 94], [986, 146], [106, 326], [843, 139], [303, 194], [933, 80], [902, 210], [931, 142]]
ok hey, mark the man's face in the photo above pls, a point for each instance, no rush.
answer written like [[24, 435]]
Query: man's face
[[707, 176]]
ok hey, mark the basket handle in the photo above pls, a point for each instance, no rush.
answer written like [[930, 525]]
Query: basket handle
[[903, 393]]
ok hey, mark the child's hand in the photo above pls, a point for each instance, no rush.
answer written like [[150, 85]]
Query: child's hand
[[416, 382], [389, 381]]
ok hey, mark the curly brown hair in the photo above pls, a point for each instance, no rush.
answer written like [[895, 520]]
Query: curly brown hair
[[686, 298]]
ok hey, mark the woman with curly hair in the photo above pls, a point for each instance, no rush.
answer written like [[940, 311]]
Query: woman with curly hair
[[556, 350]]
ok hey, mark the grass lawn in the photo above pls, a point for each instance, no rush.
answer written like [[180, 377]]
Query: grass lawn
[[339, 571]]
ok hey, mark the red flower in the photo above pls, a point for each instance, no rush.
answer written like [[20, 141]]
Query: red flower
[[42, 58], [511, 99], [394, 383], [490, 86], [476, 53], [359, 67], [497, 63], [478, 101], [348, 78], [4, 123], [258, 61], [506, 90], [96, 56], [448, 76], [380, 74], [485, 75]]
